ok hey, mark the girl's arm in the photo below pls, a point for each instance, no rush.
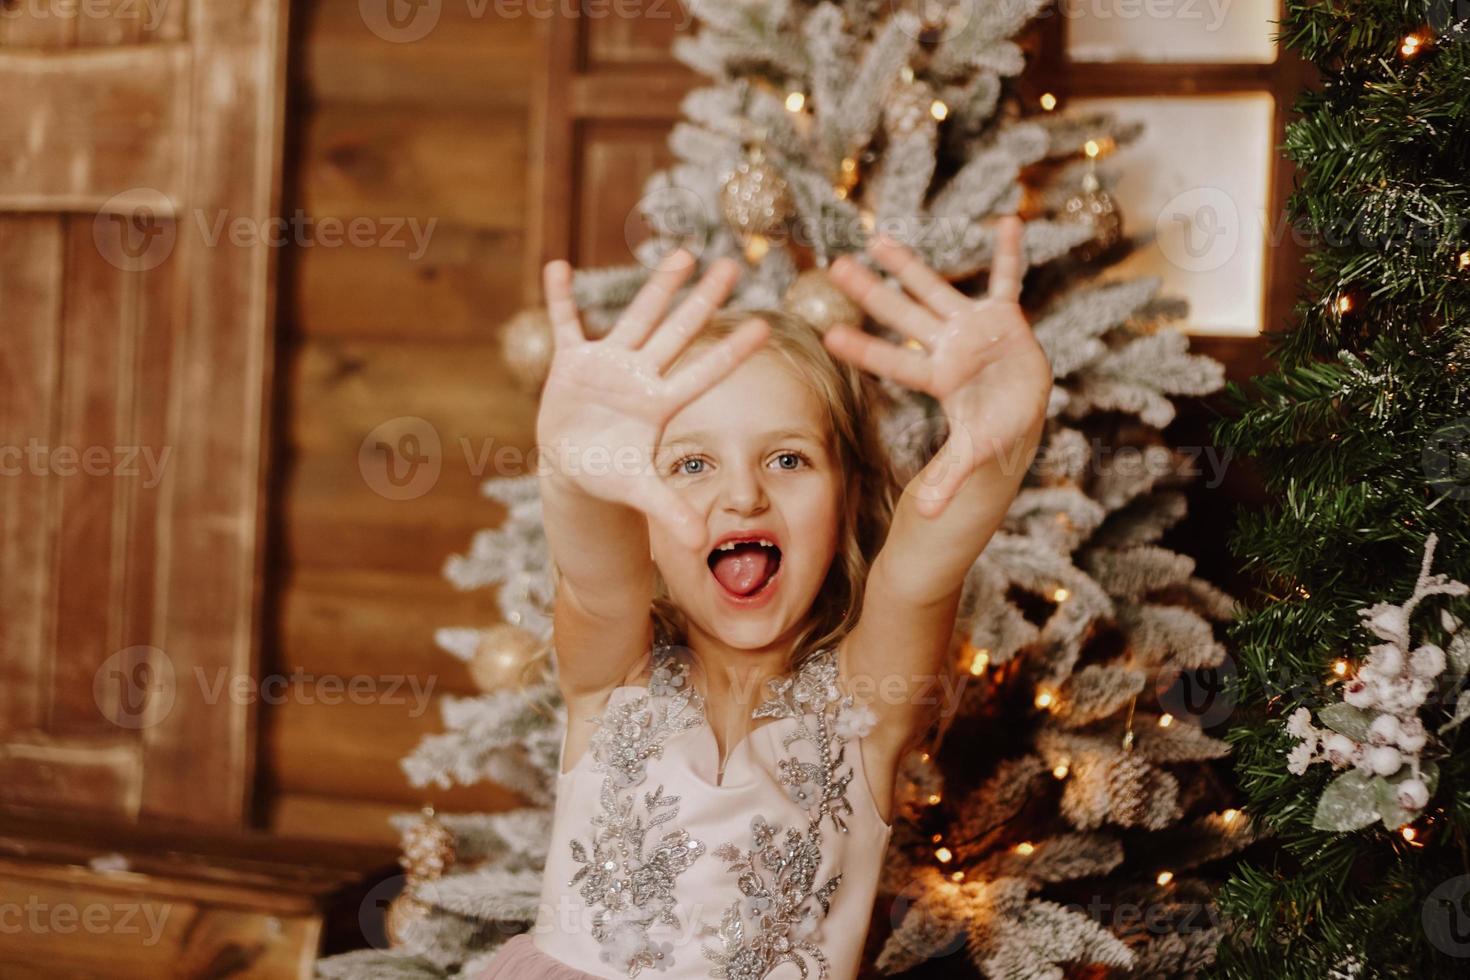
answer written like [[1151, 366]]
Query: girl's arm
[[980, 360], [602, 411]]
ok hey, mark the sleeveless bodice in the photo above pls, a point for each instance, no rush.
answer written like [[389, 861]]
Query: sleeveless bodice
[[660, 865]]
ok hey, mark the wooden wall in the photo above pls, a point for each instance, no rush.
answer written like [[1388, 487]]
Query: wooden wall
[[437, 129]]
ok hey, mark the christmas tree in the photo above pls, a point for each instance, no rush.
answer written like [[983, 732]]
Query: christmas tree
[[1069, 807], [1352, 664]]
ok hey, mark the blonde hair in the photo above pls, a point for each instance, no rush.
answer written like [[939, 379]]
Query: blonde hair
[[852, 401]]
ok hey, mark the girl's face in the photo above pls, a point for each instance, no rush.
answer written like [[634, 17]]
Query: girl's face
[[753, 456]]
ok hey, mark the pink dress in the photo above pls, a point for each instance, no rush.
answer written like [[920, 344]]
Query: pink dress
[[659, 866]]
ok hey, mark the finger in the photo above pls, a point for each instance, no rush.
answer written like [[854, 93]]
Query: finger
[[681, 326], [715, 364], [650, 302], [887, 305], [566, 325], [1007, 266], [920, 280], [908, 367]]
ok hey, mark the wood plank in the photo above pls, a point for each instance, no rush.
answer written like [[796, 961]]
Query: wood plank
[[464, 285], [348, 820], [647, 96], [455, 168], [350, 749], [93, 420], [31, 265], [99, 121], [225, 322], [100, 774], [350, 621], [475, 57]]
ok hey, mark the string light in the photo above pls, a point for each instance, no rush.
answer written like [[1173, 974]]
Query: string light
[[1165, 720], [1048, 101], [1165, 877], [1229, 816], [1061, 770], [1344, 303], [1464, 261], [1025, 848], [1411, 45], [1045, 699], [944, 854], [933, 799], [1060, 595], [979, 662], [795, 101], [1091, 149], [938, 110], [1340, 667], [936, 838], [957, 876]]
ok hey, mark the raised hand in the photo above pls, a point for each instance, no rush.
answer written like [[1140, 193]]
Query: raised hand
[[606, 402], [979, 358]]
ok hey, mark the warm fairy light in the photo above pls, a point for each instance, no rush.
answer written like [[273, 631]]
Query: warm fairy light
[[866, 219], [923, 756], [933, 798], [756, 249], [944, 854], [1301, 590], [1340, 667], [1060, 595], [1048, 101], [1091, 148], [1025, 847], [1230, 815], [1344, 303], [957, 876], [1464, 261], [1045, 699], [938, 110], [1412, 44], [1165, 877], [795, 101], [849, 165], [1409, 834], [906, 75], [1060, 771], [979, 662], [1165, 720]]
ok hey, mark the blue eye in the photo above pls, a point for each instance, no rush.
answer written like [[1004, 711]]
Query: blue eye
[[689, 466], [789, 461]]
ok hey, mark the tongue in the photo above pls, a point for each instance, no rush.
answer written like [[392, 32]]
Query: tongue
[[742, 570]]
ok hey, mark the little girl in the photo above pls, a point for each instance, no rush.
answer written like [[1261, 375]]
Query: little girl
[[743, 616]]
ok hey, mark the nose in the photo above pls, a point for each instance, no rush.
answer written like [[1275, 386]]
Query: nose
[[742, 492]]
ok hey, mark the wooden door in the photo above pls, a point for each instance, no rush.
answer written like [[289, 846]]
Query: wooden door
[[139, 171]]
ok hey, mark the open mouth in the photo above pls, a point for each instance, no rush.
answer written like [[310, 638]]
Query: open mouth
[[745, 567]]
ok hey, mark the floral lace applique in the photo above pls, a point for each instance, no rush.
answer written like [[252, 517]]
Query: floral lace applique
[[627, 879], [777, 916]]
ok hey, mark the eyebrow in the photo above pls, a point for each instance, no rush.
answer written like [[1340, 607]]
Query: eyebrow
[[776, 435]]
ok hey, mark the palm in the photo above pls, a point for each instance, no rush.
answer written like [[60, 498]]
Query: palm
[[606, 402], [979, 359]]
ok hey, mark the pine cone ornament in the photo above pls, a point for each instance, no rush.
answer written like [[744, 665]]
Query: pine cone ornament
[[1094, 207], [428, 848], [754, 198]]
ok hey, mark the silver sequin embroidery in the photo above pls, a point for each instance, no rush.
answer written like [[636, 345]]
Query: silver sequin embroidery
[[626, 878], [774, 920]]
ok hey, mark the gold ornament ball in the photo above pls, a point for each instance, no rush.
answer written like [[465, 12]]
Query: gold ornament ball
[[525, 343], [502, 656], [815, 299], [1092, 206], [755, 199]]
